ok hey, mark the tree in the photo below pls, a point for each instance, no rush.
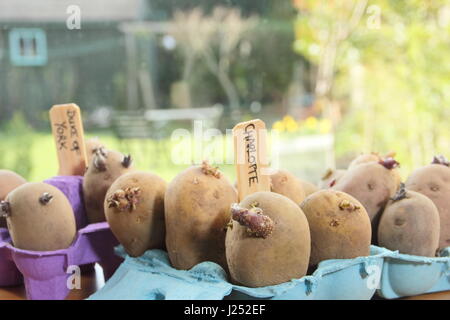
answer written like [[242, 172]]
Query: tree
[[329, 24], [214, 39], [391, 55]]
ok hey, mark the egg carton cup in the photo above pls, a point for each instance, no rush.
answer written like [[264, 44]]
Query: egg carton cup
[[151, 277], [72, 187], [45, 273], [9, 274], [334, 279], [407, 275]]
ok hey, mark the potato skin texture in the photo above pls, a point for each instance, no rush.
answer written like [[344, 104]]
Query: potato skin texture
[[197, 210], [282, 256], [336, 233], [434, 182], [375, 158], [364, 158], [91, 145], [38, 227], [330, 176], [372, 185], [9, 181], [285, 183], [142, 228], [97, 182], [308, 187], [410, 225]]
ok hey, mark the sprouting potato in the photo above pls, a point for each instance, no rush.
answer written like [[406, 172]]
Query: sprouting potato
[[92, 145], [39, 217], [370, 157], [197, 204], [331, 177], [376, 157], [105, 167], [134, 207], [286, 184], [372, 184], [339, 224], [433, 181], [268, 241], [410, 224], [364, 158]]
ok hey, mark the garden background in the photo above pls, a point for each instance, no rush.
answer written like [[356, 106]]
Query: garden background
[[374, 75]]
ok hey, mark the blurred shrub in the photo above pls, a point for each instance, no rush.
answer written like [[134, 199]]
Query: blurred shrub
[[15, 149], [387, 72]]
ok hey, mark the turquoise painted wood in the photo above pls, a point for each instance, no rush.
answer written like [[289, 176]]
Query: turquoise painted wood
[[28, 47]]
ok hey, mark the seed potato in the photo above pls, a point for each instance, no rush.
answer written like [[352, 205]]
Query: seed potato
[[410, 224], [105, 167], [339, 224], [39, 217], [197, 204], [286, 184], [268, 242], [134, 208], [434, 182]]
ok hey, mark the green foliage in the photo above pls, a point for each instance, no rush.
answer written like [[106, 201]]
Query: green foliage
[[399, 68], [15, 149], [270, 73], [36, 150]]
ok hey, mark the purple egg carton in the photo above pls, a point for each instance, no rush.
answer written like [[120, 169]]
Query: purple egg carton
[[44, 272], [72, 187]]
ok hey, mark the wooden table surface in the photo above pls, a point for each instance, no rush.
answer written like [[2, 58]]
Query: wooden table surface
[[92, 280]]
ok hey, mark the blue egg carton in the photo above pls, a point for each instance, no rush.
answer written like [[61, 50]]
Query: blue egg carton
[[336, 279], [151, 277], [407, 275]]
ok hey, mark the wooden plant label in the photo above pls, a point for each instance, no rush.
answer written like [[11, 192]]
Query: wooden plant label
[[250, 157], [67, 129]]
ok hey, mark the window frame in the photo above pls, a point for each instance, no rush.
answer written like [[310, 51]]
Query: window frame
[[38, 37]]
